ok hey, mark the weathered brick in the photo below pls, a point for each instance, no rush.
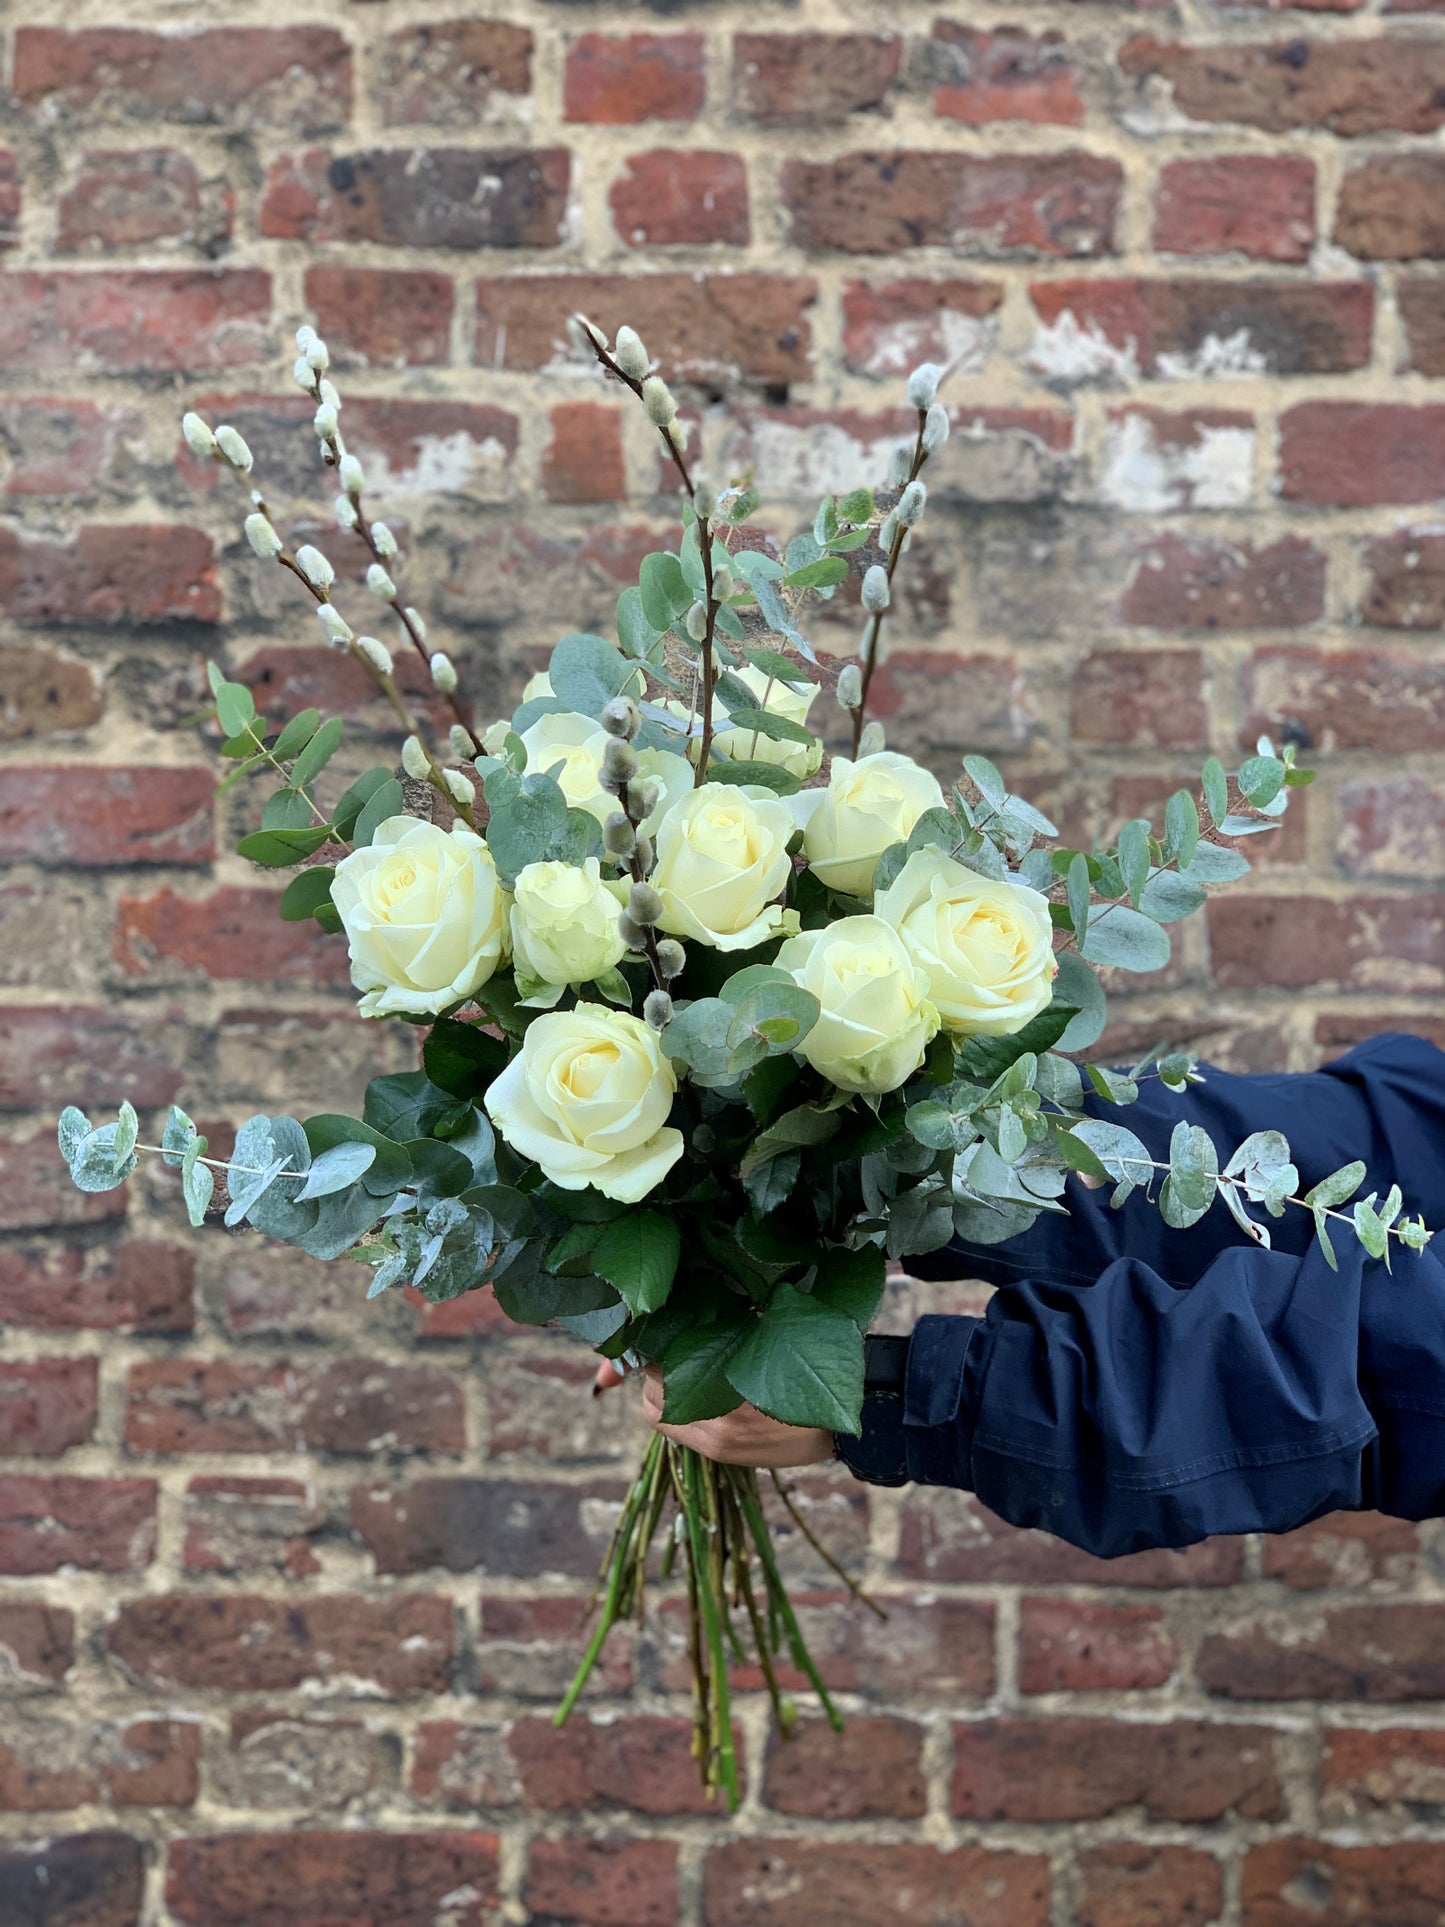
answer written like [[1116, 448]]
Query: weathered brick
[[993, 205], [1346, 699], [840, 1883], [305, 1878], [37, 1645], [136, 1286], [1259, 205], [44, 693], [1153, 698], [1126, 1884], [234, 932], [530, 1647], [1362, 943], [294, 78], [646, 1765], [956, 1538], [685, 197], [58, 1054], [812, 79], [1349, 453], [37, 1191], [1393, 827], [1406, 587], [463, 1766], [621, 80], [1343, 87], [499, 1526], [347, 1405], [9, 199], [172, 320], [1188, 583], [1157, 460], [1377, 1653], [94, 1525], [56, 446], [111, 574], [46, 1405], [250, 1525], [1307, 1883], [99, 818], [1423, 314], [382, 317], [240, 1644], [1068, 1646], [51, 1764], [873, 1770], [285, 1760], [137, 198], [600, 1882], [454, 73], [1393, 209], [76, 1880], [424, 197], [584, 461], [890, 326], [1004, 74], [539, 1407], [1398, 1770], [1341, 1030]]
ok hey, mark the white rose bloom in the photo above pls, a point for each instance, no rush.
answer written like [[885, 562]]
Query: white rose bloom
[[572, 747], [538, 685], [424, 916], [867, 806], [778, 699], [876, 1020], [674, 778], [988, 948], [565, 926], [587, 1098], [722, 861]]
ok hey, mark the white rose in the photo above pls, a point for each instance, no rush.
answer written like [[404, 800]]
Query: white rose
[[538, 685], [571, 747], [988, 948], [424, 916], [876, 1018], [778, 699], [722, 860], [867, 806], [565, 927], [587, 1098]]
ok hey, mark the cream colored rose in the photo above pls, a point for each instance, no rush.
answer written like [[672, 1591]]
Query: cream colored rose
[[587, 1098], [722, 861], [424, 916], [778, 699], [988, 948], [538, 685], [877, 1019], [564, 926], [867, 806], [571, 747]]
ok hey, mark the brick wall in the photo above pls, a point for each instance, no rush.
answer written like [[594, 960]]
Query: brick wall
[[291, 1583]]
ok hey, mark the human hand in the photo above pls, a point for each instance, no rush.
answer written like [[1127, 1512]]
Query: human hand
[[744, 1437]]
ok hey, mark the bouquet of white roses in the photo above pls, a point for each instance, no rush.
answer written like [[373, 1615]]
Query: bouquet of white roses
[[713, 1027]]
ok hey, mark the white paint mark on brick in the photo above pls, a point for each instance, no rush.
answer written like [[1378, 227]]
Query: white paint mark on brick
[[1068, 354], [1148, 477], [966, 341], [1216, 355]]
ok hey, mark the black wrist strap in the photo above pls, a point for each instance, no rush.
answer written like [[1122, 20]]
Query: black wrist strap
[[877, 1453], [885, 1364]]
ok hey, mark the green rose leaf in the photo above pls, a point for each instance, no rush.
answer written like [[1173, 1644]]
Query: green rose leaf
[[985, 1058], [851, 1282], [802, 1363], [639, 1255], [695, 1382], [461, 1059]]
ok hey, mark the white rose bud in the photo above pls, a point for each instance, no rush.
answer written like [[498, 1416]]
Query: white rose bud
[[873, 740], [346, 516], [644, 906], [337, 628], [463, 789], [900, 465], [618, 836], [314, 566], [460, 741], [353, 477], [695, 622], [585, 336], [305, 335], [199, 438], [326, 391], [876, 593], [850, 686], [704, 497], [443, 674], [619, 764], [657, 1009], [380, 583], [317, 356], [414, 760], [923, 385], [376, 653], [324, 422], [385, 541], [658, 401], [301, 374], [263, 537], [413, 616], [621, 717], [935, 428], [630, 355], [671, 957], [232, 445], [911, 504]]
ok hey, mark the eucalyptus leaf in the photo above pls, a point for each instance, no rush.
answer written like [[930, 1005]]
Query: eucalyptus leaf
[[317, 753], [296, 734], [386, 801], [1124, 939]]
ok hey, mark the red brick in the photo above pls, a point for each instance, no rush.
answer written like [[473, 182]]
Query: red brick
[[1393, 209], [646, 1765], [840, 1883], [462, 1767], [465, 1317], [1184, 327], [285, 1760], [1295, 943], [136, 198], [1004, 74], [58, 1054], [1258, 205], [420, 197], [681, 197], [37, 1644], [1156, 460], [891, 326], [584, 462], [540, 1407], [1353, 453], [347, 1405], [1187, 583], [1343, 87], [1374, 1653], [599, 1882], [131, 574], [1309, 1883], [50, 1765], [239, 1643], [135, 1286], [873, 1770], [295, 78], [250, 1525], [1406, 588], [453, 73], [46, 1406], [529, 1648], [813, 79], [382, 317], [1346, 699], [1399, 1770], [43, 693], [997, 205], [93, 1525], [956, 1538], [1076, 1769], [135, 321], [1126, 1884], [621, 80], [9, 199], [1423, 314], [99, 818], [56, 446], [1066, 1646], [708, 327], [1393, 828], [1148, 697], [36, 1189], [78, 1880], [500, 1526], [234, 933], [312, 1879], [1341, 1030]]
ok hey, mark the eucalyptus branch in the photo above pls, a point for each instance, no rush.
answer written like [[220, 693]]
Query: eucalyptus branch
[[1241, 1186]]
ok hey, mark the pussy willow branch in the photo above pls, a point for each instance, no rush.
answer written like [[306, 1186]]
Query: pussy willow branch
[[871, 640], [709, 669], [670, 441]]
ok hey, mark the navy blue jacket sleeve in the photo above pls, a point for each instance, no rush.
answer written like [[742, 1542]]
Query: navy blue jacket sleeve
[[1133, 1386]]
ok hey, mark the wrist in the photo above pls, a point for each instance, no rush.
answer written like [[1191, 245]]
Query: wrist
[[877, 1454]]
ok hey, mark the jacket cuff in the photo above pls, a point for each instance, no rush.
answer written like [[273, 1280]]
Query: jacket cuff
[[877, 1455], [940, 1403]]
